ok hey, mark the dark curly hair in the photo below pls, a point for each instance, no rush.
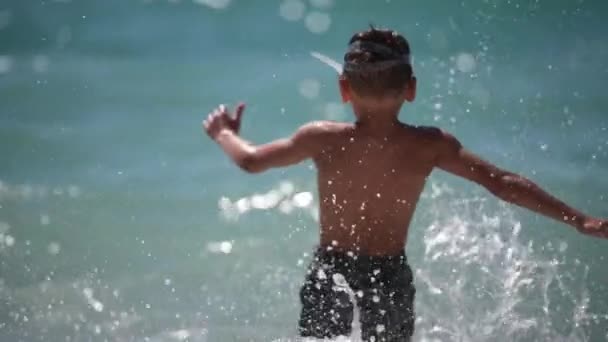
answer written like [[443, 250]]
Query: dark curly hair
[[378, 62]]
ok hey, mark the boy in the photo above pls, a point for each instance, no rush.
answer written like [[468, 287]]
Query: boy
[[370, 176]]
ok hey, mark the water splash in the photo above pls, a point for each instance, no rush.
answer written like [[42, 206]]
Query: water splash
[[478, 281]]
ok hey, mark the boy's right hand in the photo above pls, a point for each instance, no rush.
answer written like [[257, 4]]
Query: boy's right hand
[[221, 119], [595, 227]]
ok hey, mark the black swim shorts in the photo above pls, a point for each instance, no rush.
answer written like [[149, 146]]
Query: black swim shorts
[[381, 287]]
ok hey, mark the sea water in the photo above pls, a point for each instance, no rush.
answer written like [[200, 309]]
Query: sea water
[[121, 221]]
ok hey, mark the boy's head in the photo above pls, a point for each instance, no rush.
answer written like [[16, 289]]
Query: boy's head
[[378, 66]]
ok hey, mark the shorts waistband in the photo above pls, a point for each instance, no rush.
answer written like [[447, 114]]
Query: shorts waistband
[[327, 253]]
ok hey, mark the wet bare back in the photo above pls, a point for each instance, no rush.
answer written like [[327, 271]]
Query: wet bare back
[[369, 186]]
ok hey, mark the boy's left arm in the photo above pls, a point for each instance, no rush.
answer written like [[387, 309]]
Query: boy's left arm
[[223, 128], [512, 187]]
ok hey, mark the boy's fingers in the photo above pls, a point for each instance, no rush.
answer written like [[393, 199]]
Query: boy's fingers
[[240, 108]]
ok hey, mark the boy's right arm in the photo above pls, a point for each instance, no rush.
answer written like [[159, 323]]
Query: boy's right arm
[[223, 128], [513, 188]]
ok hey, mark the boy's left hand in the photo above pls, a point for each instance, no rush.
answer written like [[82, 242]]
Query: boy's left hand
[[595, 227], [221, 119]]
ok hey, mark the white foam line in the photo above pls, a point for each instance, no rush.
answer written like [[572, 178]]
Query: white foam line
[[332, 63]]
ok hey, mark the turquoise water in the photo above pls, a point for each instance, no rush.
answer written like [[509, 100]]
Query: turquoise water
[[121, 221]]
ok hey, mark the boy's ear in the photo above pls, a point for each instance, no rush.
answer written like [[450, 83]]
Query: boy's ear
[[344, 89], [410, 90]]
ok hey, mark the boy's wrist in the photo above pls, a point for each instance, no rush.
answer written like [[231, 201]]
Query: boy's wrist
[[224, 132]]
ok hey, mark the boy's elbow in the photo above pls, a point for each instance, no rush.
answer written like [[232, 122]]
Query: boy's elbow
[[249, 164]]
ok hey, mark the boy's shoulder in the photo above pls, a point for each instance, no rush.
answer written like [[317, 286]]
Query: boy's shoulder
[[434, 138], [318, 134], [440, 143], [427, 132], [324, 128], [328, 126]]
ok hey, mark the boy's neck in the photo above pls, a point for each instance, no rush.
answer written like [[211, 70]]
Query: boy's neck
[[376, 119]]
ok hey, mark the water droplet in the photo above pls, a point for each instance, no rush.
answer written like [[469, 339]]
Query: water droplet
[[243, 205], [45, 220], [9, 241], [226, 247], [97, 306], [302, 199], [321, 274], [292, 10], [6, 64], [87, 292], [74, 191], [180, 335], [53, 248], [465, 62], [317, 22], [310, 88], [40, 64]]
